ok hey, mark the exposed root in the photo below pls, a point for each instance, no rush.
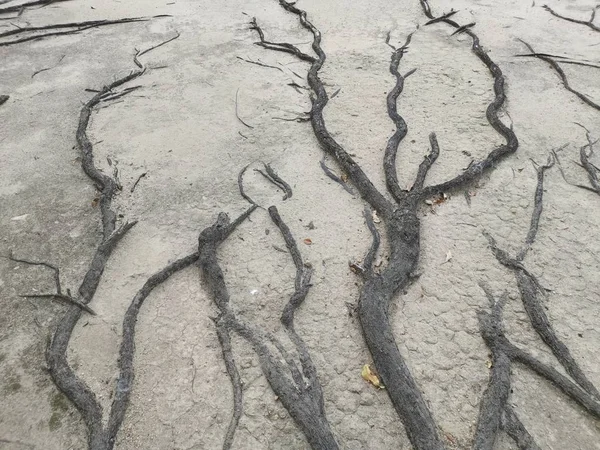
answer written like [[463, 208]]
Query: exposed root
[[400, 217], [78, 28], [367, 265], [330, 174], [475, 170], [258, 63], [588, 23], [59, 293], [236, 383], [491, 327], [512, 425], [592, 170], [65, 298], [563, 77], [492, 330], [241, 186], [391, 149], [23, 6], [563, 59], [564, 176], [54, 269], [537, 207], [300, 393], [495, 397], [274, 178], [124, 382], [237, 115], [76, 390]]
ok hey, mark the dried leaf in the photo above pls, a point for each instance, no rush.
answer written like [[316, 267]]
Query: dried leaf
[[489, 364], [448, 256], [95, 202], [344, 178], [308, 241], [370, 375], [376, 218]]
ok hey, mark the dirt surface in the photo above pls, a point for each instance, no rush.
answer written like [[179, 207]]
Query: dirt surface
[[180, 129]]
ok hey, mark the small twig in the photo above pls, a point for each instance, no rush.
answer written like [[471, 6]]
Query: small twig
[[562, 76], [258, 63], [563, 59], [66, 298], [298, 119], [331, 174], [538, 206], [463, 28], [138, 180], [177, 34], [442, 17], [279, 181], [41, 263], [588, 23], [48, 68], [236, 110], [564, 176], [81, 26], [241, 186], [297, 87]]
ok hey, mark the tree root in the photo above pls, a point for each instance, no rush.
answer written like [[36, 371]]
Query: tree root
[[330, 174], [76, 390], [79, 27], [23, 6], [563, 59], [236, 383], [400, 217], [563, 77], [391, 149], [58, 294], [592, 170], [512, 426], [299, 391], [588, 23], [503, 351], [124, 382], [274, 178]]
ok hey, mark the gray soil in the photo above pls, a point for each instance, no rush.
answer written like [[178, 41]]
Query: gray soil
[[181, 129]]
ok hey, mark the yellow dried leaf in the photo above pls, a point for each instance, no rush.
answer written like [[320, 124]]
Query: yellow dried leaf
[[489, 364], [344, 178], [370, 375], [376, 218]]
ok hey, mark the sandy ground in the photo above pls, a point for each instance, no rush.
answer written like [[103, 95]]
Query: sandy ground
[[180, 128]]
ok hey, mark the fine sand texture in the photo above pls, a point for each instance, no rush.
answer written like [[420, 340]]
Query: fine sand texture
[[480, 309]]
